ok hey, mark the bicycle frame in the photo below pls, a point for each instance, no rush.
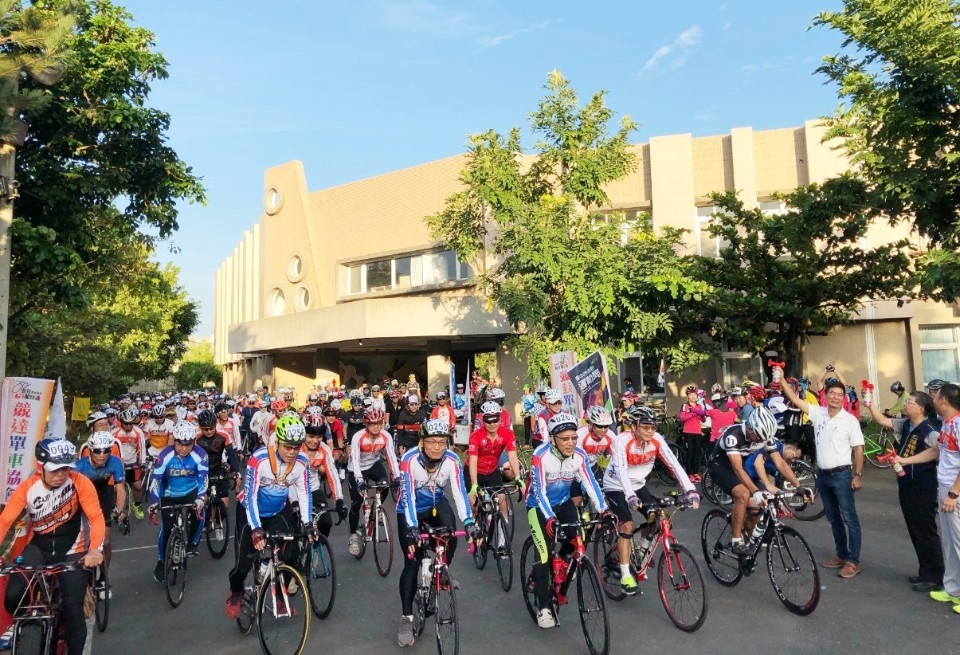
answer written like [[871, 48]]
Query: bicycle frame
[[560, 587], [271, 555], [371, 507], [42, 596]]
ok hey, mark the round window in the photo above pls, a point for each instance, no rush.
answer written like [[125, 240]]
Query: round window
[[295, 268], [277, 302], [272, 201], [303, 298]]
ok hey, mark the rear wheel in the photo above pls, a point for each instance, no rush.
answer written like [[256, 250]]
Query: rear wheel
[[793, 571], [608, 561], [321, 577], [383, 543], [448, 627], [807, 477], [175, 567], [663, 473], [681, 588], [217, 529], [593, 610], [502, 552], [713, 492], [715, 540], [528, 555], [283, 613], [101, 596]]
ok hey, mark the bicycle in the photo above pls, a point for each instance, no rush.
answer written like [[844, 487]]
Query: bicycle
[[435, 594], [175, 557], [791, 566], [217, 527], [100, 583], [497, 534], [875, 445], [802, 510], [276, 601], [37, 629], [678, 576], [713, 492], [593, 609], [377, 531], [318, 569]]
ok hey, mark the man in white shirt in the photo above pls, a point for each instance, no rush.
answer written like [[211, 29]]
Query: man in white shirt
[[840, 471]]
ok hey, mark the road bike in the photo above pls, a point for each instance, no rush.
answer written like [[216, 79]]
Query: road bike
[[802, 510], [316, 565], [678, 576], [175, 557], [435, 595], [791, 565], [496, 532], [564, 569], [375, 527], [37, 629], [875, 445], [276, 602], [217, 526]]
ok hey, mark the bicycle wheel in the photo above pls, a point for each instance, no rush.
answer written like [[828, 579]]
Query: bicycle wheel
[[876, 445], [383, 543], [486, 527], [175, 567], [593, 609], [101, 596], [608, 561], [448, 627], [283, 613], [793, 571], [29, 637], [217, 529], [663, 473], [502, 552], [681, 588], [419, 612], [247, 608], [807, 477], [715, 540], [524, 467], [527, 556], [713, 492], [320, 574]]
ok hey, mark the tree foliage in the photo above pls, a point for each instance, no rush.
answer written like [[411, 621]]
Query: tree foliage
[[899, 75], [782, 277], [197, 368], [567, 276]]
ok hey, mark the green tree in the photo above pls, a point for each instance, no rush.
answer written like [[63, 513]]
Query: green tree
[[567, 276], [783, 277], [197, 368], [899, 78]]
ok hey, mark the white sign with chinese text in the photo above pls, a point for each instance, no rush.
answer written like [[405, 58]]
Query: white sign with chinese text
[[24, 407]]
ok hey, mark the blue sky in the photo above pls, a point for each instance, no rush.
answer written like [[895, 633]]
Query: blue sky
[[362, 87]]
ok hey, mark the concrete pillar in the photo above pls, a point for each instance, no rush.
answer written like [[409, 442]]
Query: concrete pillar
[[438, 366], [513, 375]]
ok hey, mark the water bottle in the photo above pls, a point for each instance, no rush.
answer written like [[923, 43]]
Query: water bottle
[[426, 566], [559, 570], [898, 469], [757, 533]]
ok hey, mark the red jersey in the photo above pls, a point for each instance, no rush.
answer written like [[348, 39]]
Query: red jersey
[[488, 450]]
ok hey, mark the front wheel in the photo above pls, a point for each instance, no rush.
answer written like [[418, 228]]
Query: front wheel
[[528, 555], [448, 626], [320, 574], [607, 559], [723, 564], [29, 637], [793, 571], [101, 596], [502, 551], [217, 529], [480, 554], [283, 613], [681, 588], [175, 567], [807, 477], [593, 609], [383, 543]]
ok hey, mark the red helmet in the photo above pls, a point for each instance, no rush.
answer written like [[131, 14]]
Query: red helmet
[[278, 405], [373, 415], [758, 393]]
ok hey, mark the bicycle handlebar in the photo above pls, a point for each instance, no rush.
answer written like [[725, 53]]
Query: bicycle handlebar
[[442, 531], [47, 568]]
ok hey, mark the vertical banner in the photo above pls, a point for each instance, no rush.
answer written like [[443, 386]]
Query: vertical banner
[[560, 363], [81, 409], [591, 382], [23, 418], [453, 382], [462, 436]]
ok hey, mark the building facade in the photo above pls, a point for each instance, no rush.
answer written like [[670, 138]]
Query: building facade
[[301, 302]]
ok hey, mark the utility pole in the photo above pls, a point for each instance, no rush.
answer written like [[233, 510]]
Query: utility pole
[[8, 156]]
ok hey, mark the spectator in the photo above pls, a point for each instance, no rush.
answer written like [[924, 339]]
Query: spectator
[[691, 435], [528, 406], [839, 443], [721, 414], [628, 384], [915, 435]]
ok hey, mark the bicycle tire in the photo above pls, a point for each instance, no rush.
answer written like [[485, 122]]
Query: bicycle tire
[[527, 555], [320, 574], [596, 630], [713, 492], [447, 622], [486, 526], [218, 519], [502, 552], [679, 572], [247, 609], [29, 637], [175, 568], [419, 613], [715, 540], [383, 541], [663, 473], [807, 476], [265, 621], [607, 560], [875, 447], [365, 533], [101, 596], [800, 557]]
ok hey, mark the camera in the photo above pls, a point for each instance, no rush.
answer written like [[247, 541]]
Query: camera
[[830, 367]]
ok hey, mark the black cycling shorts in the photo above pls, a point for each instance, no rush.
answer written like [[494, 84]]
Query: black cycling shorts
[[617, 502], [724, 477]]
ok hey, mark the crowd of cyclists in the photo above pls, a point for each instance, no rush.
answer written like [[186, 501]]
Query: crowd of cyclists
[[144, 454]]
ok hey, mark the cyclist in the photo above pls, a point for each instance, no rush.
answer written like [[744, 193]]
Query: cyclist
[[105, 471], [762, 465], [215, 441], [57, 499], [366, 464], [276, 475], [352, 418], [897, 410], [554, 466], [497, 395], [98, 422], [627, 400], [179, 478], [410, 420], [394, 407], [159, 431], [727, 470], [133, 452], [443, 411], [596, 439], [425, 472], [553, 401], [226, 424], [634, 454], [322, 467], [486, 447]]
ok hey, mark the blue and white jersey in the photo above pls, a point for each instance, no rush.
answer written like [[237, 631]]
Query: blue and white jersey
[[269, 484], [421, 491], [176, 477], [551, 477]]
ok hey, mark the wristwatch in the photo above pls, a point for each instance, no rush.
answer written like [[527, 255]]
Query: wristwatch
[[858, 475], [952, 495]]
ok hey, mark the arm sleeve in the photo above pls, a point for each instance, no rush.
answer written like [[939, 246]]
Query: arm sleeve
[[304, 496], [159, 485], [538, 486], [232, 459], [407, 495], [203, 471], [355, 456], [251, 487], [623, 473], [330, 471], [15, 505]]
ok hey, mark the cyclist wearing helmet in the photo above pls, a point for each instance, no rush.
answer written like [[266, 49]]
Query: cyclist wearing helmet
[[353, 417], [227, 424], [839, 441], [98, 422], [179, 477], [57, 499], [394, 407], [596, 440], [133, 453], [727, 469], [627, 400], [634, 454], [553, 467], [366, 464], [424, 473], [897, 410], [215, 442], [553, 400], [497, 395], [275, 478], [105, 471], [411, 419], [322, 468], [444, 411], [460, 403], [486, 447], [158, 431]]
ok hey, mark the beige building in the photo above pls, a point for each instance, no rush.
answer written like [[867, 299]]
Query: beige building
[[302, 301]]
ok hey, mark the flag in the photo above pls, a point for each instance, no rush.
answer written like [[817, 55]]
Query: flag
[[453, 382], [57, 423], [466, 388]]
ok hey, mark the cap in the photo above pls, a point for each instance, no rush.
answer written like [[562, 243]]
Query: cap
[[413, 399]]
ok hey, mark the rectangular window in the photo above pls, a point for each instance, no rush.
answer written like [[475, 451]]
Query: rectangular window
[[738, 367], [402, 273], [940, 352], [707, 246], [355, 278], [379, 275]]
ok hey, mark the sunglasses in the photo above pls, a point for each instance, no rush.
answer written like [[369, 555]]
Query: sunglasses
[[207, 429], [100, 451], [496, 419]]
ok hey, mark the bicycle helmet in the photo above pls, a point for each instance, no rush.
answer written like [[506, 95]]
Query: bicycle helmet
[[553, 396], [599, 416], [736, 391], [897, 387], [437, 427], [184, 432], [101, 440], [313, 411], [757, 392], [312, 398], [336, 405], [206, 419], [93, 418], [490, 408], [278, 405], [496, 393], [373, 415], [441, 395], [395, 393], [762, 422], [221, 407], [128, 416], [55, 454], [159, 411], [559, 422], [413, 399], [355, 396], [643, 415], [629, 395], [290, 431]]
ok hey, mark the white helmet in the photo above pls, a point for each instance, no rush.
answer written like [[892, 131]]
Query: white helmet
[[438, 427], [184, 432], [553, 396], [93, 418], [490, 408], [763, 423], [313, 410], [599, 416], [336, 405], [561, 421], [101, 440], [496, 394]]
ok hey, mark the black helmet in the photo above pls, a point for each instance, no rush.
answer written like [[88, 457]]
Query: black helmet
[[206, 419], [55, 453], [935, 384], [897, 387]]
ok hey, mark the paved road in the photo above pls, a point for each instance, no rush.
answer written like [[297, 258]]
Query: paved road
[[876, 612]]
